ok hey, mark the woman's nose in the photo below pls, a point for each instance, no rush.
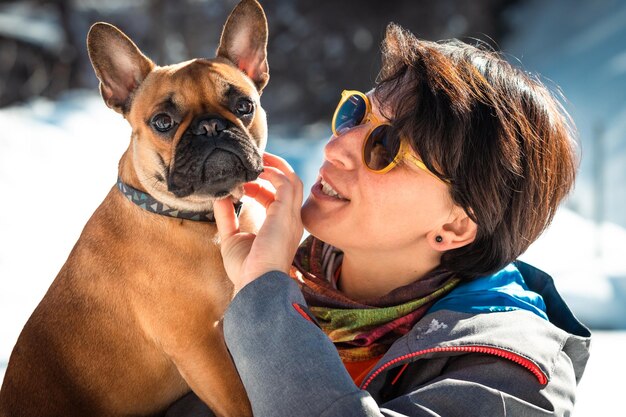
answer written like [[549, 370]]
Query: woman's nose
[[344, 150]]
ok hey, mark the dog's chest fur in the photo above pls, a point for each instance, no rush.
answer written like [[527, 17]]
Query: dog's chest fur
[[151, 273]]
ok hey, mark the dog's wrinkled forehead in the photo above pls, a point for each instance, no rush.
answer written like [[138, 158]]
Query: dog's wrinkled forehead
[[194, 87]]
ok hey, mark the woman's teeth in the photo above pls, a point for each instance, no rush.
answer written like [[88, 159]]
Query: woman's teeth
[[328, 190]]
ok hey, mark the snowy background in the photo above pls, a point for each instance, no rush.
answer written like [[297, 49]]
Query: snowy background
[[58, 159]]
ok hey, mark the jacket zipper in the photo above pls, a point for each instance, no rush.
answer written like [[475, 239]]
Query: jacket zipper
[[520, 360]]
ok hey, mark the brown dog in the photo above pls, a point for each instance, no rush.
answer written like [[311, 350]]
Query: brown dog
[[133, 320]]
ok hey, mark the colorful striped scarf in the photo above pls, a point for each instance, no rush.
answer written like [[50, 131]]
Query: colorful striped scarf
[[361, 330]]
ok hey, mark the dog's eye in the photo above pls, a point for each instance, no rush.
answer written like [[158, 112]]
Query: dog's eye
[[244, 107], [162, 122]]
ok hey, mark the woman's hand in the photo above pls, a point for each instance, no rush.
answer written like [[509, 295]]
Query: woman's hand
[[248, 256]]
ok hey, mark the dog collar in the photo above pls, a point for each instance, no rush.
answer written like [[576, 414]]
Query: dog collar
[[151, 204]]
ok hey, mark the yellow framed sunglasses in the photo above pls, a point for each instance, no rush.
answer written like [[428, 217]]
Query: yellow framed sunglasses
[[381, 149]]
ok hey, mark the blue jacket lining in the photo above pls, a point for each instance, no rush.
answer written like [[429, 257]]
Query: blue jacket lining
[[505, 290]]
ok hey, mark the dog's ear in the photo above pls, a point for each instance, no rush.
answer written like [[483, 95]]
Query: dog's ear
[[244, 41], [119, 64]]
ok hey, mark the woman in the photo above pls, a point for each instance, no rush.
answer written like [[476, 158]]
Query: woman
[[407, 298]]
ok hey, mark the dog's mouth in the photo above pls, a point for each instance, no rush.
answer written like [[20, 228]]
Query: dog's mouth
[[214, 167], [218, 176]]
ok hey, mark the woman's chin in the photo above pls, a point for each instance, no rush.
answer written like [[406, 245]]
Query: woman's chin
[[317, 223], [308, 214]]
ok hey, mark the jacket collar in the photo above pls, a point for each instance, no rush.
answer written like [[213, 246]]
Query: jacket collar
[[509, 331]]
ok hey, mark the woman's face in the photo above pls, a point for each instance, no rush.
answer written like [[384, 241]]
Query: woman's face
[[372, 211]]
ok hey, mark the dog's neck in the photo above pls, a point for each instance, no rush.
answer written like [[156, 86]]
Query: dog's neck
[[151, 204]]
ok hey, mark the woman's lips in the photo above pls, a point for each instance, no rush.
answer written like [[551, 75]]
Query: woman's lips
[[318, 191]]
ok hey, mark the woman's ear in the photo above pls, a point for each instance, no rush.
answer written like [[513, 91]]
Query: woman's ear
[[459, 231]]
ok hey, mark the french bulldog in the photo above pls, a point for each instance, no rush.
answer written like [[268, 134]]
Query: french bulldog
[[132, 321]]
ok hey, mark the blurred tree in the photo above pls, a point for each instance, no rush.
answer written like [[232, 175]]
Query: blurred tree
[[37, 50], [316, 47]]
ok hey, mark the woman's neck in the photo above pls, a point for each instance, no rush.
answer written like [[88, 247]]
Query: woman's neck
[[367, 276]]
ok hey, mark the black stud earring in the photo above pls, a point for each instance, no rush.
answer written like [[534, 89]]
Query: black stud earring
[[439, 239]]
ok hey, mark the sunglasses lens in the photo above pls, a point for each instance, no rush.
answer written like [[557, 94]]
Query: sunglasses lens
[[350, 113], [380, 148]]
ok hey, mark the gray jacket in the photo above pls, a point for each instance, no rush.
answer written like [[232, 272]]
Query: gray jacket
[[463, 358]]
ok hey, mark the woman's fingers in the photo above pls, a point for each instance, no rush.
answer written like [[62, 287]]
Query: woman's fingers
[[287, 186], [282, 165], [275, 176], [284, 180], [225, 218], [247, 256], [277, 162], [259, 193]]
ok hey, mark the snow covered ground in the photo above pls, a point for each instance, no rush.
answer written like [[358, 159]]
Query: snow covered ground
[[58, 161]]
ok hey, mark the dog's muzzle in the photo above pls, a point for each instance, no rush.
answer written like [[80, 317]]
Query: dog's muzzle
[[213, 158]]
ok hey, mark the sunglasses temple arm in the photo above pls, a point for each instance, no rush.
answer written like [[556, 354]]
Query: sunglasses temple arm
[[423, 167]]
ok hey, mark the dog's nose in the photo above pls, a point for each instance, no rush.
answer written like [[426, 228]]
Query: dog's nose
[[210, 127]]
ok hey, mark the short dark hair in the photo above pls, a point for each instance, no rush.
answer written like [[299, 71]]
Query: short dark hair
[[497, 134]]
